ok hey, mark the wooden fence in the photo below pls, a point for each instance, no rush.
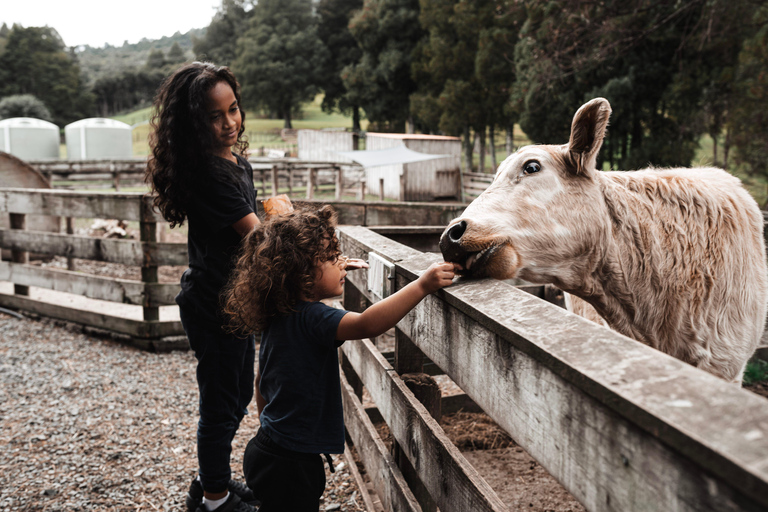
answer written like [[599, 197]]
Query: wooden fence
[[474, 184], [288, 173], [148, 330], [146, 253], [622, 426]]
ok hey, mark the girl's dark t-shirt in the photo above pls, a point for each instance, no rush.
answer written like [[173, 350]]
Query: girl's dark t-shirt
[[226, 196], [299, 367]]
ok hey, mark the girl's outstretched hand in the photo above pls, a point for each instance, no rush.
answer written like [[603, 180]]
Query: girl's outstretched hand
[[438, 275]]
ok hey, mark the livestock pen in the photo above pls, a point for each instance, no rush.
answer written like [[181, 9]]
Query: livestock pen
[[620, 425]]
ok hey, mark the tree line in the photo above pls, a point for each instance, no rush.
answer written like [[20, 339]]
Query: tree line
[[673, 70]]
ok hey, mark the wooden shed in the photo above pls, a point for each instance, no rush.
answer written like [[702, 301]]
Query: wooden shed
[[324, 145], [418, 181]]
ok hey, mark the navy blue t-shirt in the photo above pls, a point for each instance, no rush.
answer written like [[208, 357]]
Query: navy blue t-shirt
[[226, 196], [299, 366]]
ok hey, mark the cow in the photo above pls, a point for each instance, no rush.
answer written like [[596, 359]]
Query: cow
[[674, 258]]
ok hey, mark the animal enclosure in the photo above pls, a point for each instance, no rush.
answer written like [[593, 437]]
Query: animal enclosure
[[620, 425]]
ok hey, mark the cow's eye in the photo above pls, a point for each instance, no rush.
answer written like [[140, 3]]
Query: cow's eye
[[531, 167]]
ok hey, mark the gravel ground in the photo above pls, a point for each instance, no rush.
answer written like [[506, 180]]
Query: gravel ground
[[89, 424]]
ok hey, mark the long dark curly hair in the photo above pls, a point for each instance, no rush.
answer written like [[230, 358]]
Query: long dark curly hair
[[276, 267], [182, 141]]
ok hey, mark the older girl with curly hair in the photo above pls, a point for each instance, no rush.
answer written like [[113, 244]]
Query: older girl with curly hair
[[197, 177], [287, 267]]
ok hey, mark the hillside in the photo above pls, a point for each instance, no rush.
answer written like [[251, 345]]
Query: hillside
[[112, 60]]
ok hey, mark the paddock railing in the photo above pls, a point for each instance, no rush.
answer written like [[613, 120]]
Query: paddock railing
[[289, 174], [143, 323], [146, 253], [620, 425]]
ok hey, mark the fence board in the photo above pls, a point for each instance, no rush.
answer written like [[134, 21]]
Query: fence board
[[103, 288], [385, 476], [127, 326], [620, 425], [128, 252], [68, 203], [451, 481]]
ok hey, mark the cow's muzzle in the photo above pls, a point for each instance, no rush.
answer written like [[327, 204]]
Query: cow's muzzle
[[450, 243]]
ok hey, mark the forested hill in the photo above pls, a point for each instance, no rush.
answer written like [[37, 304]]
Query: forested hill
[[111, 60]]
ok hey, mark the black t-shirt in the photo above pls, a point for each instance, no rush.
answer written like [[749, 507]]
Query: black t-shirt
[[299, 367], [225, 197]]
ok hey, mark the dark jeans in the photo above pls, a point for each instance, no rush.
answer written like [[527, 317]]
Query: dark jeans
[[283, 479], [225, 378]]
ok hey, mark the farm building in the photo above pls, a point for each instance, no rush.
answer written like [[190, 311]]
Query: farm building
[[323, 145], [97, 137], [28, 138], [424, 180]]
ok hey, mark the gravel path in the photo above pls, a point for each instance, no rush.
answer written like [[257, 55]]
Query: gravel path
[[90, 424]]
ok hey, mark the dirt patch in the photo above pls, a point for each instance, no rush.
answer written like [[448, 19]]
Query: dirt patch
[[519, 481]]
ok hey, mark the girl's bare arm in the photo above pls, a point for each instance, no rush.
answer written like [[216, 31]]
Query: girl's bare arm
[[383, 315]]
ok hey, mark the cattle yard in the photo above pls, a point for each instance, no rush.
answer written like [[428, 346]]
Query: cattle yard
[[619, 425]]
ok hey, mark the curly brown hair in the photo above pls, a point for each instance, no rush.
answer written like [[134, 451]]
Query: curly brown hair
[[181, 139], [276, 267]]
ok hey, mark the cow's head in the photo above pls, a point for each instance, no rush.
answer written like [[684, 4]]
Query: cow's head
[[541, 214]]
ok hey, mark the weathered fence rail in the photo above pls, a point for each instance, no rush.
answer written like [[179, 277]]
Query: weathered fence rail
[[287, 173], [146, 253], [475, 183], [620, 425]]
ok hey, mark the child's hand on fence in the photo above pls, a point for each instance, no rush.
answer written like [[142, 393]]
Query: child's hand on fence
[[354, 263], [438, 275]]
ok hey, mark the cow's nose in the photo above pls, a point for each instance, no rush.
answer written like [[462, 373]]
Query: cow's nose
[[450, 243], [456, 231]]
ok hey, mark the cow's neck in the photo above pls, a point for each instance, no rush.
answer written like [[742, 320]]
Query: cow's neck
[[617, 280]]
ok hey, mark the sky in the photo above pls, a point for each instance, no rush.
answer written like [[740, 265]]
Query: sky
[[95, 22]]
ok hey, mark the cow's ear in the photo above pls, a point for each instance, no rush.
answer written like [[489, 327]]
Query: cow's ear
[[587, 133]]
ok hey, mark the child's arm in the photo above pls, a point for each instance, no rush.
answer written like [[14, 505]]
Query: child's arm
[[246, 224], [383, 315]]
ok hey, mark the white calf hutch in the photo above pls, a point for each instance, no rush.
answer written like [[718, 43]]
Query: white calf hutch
[[28, 138]]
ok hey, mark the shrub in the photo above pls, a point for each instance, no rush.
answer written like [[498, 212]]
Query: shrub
[[24, 105]]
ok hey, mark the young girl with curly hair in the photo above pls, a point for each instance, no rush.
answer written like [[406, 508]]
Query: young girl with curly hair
[[197, 177], [287, 266]]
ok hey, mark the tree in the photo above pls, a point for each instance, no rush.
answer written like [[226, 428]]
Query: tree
[[35, 62], [176, 54], [156, 60], [333, 29], [748, 119], [387, 32], [650, 58], [281, 57], [465, 69], [219, 44], [24, 105]]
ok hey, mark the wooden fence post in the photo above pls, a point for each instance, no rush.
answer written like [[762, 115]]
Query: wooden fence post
[[381, 189], [290, 180], [70, 231], [311, 178], [409, 364], [339, 181], [263, 173], [149, 275], [361, 193], [19, 221], [275, 181]]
